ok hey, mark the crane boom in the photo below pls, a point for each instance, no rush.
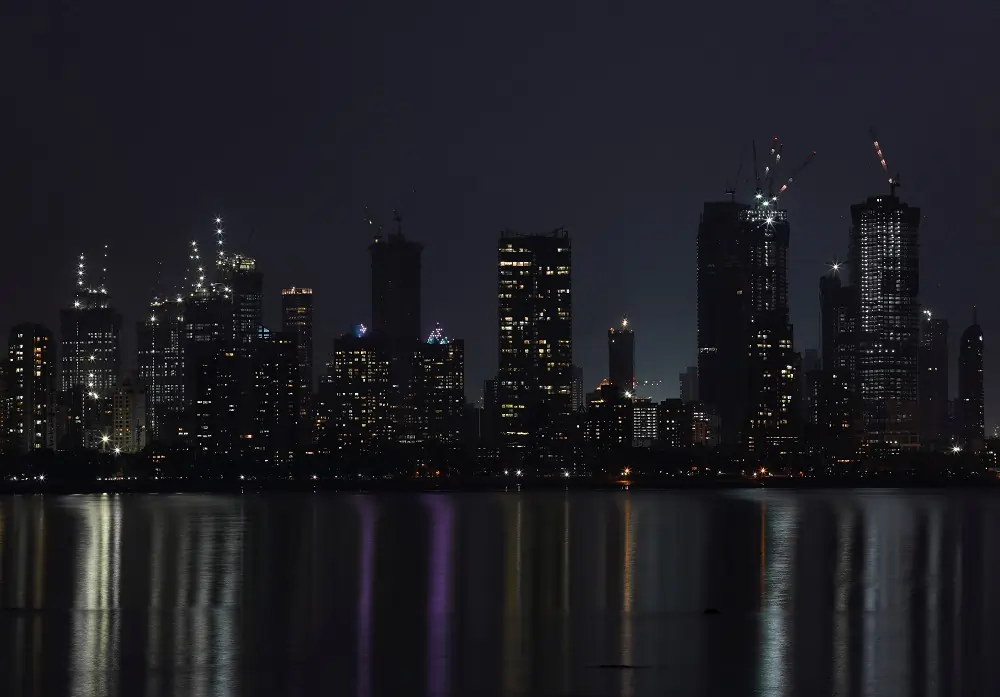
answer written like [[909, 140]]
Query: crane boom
[[796, 173], [893, 182]]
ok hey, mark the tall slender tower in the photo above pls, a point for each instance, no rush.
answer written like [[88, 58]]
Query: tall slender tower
[[396, 287], [297, 319], [31, 384], [970, 411], [773, 376], [884, 263], [621, 357], [90, 343], [723, 316], [535, 380], [932, 385]]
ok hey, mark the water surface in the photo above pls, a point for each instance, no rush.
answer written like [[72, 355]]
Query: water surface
[[550, 594]]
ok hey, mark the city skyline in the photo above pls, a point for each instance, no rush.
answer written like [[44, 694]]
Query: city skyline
[[293, 159]]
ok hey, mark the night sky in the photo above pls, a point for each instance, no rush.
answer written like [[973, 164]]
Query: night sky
[[134, 124]]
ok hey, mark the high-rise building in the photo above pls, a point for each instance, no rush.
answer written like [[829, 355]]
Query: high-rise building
[[128, 417], [30, 381], [297, 319], [621, 357], [219, 424], [90, 352], [644, 422], [932, 385], [970, 407], [689, 384], [536, 347], [439, 389], [838, 396], [276, 397], [884, 264], [396, 288], [674, 424], [609, 419], [723, 316], [578, 404], [773, 378], [246, 285], [357, 382], [161, 361]]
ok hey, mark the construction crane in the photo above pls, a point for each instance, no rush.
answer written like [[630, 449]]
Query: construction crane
[[893, 181], [795, 173]]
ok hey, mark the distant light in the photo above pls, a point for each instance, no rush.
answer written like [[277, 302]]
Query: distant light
[[769, 220], [956, 449], [117, 450], [565, 474], [76, 303], [517, 473], [628, 394], [835, 267], [218, 221], [105, 439], [41, 477], [506, 472]]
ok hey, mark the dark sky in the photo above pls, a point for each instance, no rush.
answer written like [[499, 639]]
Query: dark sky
[[134, 124]]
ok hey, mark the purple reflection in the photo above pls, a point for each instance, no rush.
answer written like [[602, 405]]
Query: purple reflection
[[366, 585], [439, 594]]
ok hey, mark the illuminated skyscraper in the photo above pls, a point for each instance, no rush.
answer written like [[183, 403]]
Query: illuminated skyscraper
[[969, 409], [621, 357], [31, 389], [773, 380], [247, 287], [90, 348], [297, 319], [357, 383], [161, 361], [439, 389], [535, 380], [884, 264], [276, 398]]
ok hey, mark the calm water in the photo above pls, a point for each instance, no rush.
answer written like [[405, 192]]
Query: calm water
[[868, 593]]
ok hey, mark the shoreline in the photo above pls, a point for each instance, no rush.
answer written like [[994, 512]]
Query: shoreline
[[477, 485]]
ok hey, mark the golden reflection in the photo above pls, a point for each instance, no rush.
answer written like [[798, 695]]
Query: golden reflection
[[627, 686], [513, 599], [95, 634]]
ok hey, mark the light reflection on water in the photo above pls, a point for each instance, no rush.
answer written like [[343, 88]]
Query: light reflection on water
[[847, 593]]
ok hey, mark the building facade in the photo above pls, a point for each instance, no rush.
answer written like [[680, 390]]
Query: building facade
[[535, 379], [970, 407], [29, 402], [884, 263], [932, 384], [621, 357]]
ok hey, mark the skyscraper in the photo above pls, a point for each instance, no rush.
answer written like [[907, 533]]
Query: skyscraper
[[161, 361], [439, 389], [396, 288], [535, 380], [839, 418], [297, 319], [884, 263], [773, 378], [689, 384], [723, 316], [621, 357], [932, 386], [31, 387], [970, 406], [357, 385], [90, 348], [246, 284], [129, 417], [276, 394]]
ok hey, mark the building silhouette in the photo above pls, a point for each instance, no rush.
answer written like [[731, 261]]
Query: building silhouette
[[884, 264], [689, 384], [836, 393], [30, 389], [723, 316], [970, 407], [932, 386], [535, 379], [621, 357], [245, 284]]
